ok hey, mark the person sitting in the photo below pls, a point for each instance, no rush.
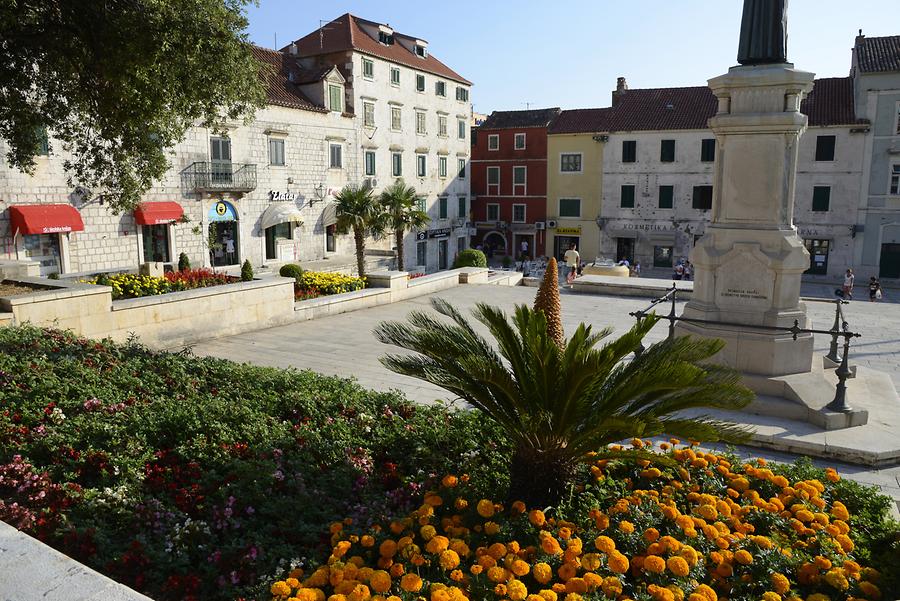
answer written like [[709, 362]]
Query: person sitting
[[624, 262], [678, 271]]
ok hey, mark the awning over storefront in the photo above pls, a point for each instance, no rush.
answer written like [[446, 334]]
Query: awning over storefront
[[280, 213], [44, 219], [329, 214], [156, 213]]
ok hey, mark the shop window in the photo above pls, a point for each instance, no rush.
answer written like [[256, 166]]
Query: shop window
[[667, 151], [625, 249], [570, 207], [703, 196], [825, 148], [662, 256], [626, 198], [493, 212], [155, 240], [708, 150], [821, 198], [629, 151], [818, 256], [666, 197], [421, 252], [279, 231]]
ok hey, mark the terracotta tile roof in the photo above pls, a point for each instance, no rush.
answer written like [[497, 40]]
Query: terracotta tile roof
[[344, 33], [580, 121], [660, 109], [529, 118], [281, 74], [878, 55]]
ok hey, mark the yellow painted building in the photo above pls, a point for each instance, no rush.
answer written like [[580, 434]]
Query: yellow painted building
[[575, 181]]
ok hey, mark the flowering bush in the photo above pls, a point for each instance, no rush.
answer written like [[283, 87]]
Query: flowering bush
[[131, 285], [326, 283], [696, 526]]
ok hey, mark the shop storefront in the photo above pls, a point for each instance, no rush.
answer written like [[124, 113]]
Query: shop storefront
[[278, 223], [156, 239], [223, 234], [442, 235], [563, 237], [652, 244], [41, 233]]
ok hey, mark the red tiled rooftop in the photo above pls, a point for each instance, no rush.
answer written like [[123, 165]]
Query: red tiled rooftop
[[277, 71], [580, 121], [878, 55]]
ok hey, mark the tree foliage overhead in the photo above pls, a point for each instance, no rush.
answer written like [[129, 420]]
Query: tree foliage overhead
[[118, 82]]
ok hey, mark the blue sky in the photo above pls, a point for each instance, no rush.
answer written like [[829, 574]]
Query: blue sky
[[569, 53]]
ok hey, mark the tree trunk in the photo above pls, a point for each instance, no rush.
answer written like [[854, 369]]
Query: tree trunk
[[538, 479], [398, 236], [360, 239]]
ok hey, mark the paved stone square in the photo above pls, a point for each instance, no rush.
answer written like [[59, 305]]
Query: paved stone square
[[343, 345]]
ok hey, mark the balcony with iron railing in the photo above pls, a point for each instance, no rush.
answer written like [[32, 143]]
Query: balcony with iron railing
[[203, 176]]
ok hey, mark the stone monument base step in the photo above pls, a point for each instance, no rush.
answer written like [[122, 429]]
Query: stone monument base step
[[804, 397], [617, 286]]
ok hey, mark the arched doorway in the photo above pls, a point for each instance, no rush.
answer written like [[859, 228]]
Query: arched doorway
[[222, 235], [496, 242]]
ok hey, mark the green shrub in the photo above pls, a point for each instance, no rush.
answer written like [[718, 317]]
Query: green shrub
[[183, 262], [470, 257], [291, 271], [506, 261], [246, 271]]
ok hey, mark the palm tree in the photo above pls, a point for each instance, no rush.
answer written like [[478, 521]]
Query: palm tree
[[400, 203], [357, 210], [558, 404]]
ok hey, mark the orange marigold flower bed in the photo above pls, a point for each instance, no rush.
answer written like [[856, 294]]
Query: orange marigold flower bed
[[692, 528]]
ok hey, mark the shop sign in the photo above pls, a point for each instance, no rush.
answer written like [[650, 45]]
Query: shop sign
[[283, 196], [222, 211], [56, 229], [647, 227], [568, 231], [421, 236], [442, 232], [522, 227], [487, 224]]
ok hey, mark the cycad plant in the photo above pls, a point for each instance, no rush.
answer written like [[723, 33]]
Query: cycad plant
[[358, 211], [403, 214], [558, 404]]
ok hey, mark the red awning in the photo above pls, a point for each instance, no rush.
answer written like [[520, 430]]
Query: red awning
[[44, 219], [155, 213]]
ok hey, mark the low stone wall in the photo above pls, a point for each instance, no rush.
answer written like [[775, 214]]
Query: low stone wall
[[166, 320], [646, 287]]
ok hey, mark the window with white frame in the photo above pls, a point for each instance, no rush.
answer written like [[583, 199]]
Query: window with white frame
[[518, 215], [335, 98], [570, 207], [396, 123], [369, 114], [461, 127], [493, 212], [440, 88], [461, 167], [420, 123], [493, 181], [442, 166], [519, 141], [276, 151], [520, 175], [420, 165], [335, 159], [494, 142], [370, 162], [420, 204], [420, 82], [421, 51], [462, 94], [442, 126], [895, 179], [368, 68], [570, 162], [395, 76], [396, 164]]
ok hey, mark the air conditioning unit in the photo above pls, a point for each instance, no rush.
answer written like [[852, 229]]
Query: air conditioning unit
[[540, 225], [551, 223], [371, 182]]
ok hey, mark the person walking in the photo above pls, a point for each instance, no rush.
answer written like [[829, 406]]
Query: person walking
[[847, 288], [874, 289], [572, 260], [523, 248]]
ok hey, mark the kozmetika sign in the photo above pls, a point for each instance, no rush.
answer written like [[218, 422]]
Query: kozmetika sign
[[568, 231]]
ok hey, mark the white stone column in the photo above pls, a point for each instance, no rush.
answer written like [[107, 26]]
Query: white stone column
[[749, 264]]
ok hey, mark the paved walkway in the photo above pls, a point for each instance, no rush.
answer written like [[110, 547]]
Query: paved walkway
[[343, 345]]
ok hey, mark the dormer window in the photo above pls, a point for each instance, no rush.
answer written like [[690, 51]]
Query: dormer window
[[335, 98], [385, 38], [421, 51]]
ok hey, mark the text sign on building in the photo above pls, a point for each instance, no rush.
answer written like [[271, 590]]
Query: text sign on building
[[284, 196], [421, 236], [568, 231], [442, 232]]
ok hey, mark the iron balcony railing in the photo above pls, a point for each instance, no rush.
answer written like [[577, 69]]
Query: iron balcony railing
[[203, 176]]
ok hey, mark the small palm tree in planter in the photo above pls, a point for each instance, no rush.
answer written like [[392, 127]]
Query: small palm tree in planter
[[560, 402], [403, 214], [358, 211]]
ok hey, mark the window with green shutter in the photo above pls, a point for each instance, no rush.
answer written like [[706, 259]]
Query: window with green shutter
[[442, 207], [666, 197], [627, 197], [821, 198], [570, 207], [708, 150], [703, 196], [629, 151], [335, 98], [461, 210], [667, 151]]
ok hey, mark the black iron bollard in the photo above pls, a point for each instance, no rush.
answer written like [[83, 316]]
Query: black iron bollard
[[839, 403], [672, 317], [835, 332]]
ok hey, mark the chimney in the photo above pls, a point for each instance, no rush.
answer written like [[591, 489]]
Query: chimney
[[293, 48], [860, 38], [621, 88]]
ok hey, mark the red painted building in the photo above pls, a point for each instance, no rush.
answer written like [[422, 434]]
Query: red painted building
[[509, 182]]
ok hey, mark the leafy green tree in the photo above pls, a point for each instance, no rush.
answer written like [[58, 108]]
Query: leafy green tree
[[403, 214], [118, 82], [358, 211], [559, 404]]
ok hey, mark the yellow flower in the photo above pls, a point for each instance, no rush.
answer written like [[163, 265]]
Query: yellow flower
[[780, 583], [626, 527], [542, 572], [280, 589], [655, 564], [449, 559], [678, 566], [516, 590], [743, 557], [411, 583], [485, 508], [536, 517]]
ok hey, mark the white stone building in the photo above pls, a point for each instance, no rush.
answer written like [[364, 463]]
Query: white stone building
[[412, 117], [658, 175]]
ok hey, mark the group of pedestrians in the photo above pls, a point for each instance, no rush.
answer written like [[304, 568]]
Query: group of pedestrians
[[846, 290]]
